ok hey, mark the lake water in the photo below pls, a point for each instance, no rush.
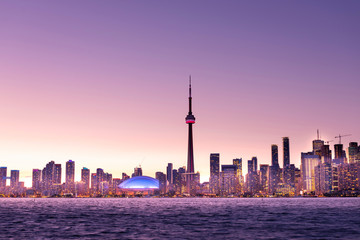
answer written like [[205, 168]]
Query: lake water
[[181, 218]]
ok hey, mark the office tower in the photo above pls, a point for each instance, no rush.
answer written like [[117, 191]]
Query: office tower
[[339, 154], [349, 177], [182, 173], [57, 174], [190, 120], [326, 153], [353, 151], [274, 155], [36, 179], [99, 178], [162, 181], [124, 176], [252, 176], [137, 172], [318, 145], [93, 181], [214, 173], [286, 147], [85, 177], [70, 175], [169, 173], [176, 181], [14, 178], [238, 163], [228, 180], [3, 175], [323, 178], [308, 163], [48, 175], [264, 178]]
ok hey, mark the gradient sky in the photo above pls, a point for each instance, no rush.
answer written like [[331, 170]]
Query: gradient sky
[[104, 83]]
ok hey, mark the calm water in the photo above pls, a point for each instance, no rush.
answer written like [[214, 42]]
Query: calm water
[[318, 218]]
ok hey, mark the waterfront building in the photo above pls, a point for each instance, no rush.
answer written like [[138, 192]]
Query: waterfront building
[[70, 176], [214, 173], [57, 174], [228, 180], [264, 178], [36, 180], [239, 175], [137, 172], [353, 150], [340, 156], [275, 170], [161, 177], [85, 178], [308, 163], [3, 175], [286, 151], [169, 173], [14, 179]]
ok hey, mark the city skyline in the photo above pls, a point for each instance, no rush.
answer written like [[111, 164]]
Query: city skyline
[[91, 89]]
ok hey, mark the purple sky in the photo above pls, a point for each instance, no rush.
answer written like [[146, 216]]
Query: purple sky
[[105, 82]]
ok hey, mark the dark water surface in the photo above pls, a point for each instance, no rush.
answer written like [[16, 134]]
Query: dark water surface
[[191, 218]]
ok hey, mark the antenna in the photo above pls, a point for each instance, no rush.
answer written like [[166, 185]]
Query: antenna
[[318, 134], [189, 85]]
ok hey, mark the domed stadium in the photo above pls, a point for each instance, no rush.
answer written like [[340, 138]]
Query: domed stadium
[[140, 183]]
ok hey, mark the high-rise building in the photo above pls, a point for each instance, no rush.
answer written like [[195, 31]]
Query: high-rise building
[[100, 178], [274, 155], [48, 175], [339, 154], [214, 173], [36, 179], [57, 174], [169, 173], [94, 184], [14, 178], [238, 163], [326, 153], [85, 177], [137, 172], [3, 174], [70, 176], [264, 178], [252, 176], [353, 151], [228, 180], [162, 181], [286, 148], [190, 120], [308, 163]]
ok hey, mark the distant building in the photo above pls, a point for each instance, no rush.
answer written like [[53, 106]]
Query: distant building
[[308, 163], [3, 175], [353, 151], [228, 180], [214, 173], [286, 148], [264, 178], [70, 176], [57, 174], [169, 173], [137, 172], [161, 177], [36, 179], [85, 178], [14, 179]]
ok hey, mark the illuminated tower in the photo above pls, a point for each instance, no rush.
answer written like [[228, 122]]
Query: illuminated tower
[[190, 120]]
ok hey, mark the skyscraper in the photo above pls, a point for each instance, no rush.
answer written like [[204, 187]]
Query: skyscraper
[[353, 151], [308, 163], [57, 174], [14, 178], [85, 177], [190, 120], [214, 173], [274, 155], [36, 179], [70, 175], [3, 173], [286, 146], [169, 173], [162, 181]]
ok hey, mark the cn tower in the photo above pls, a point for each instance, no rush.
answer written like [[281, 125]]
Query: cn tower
[[190, 120]]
